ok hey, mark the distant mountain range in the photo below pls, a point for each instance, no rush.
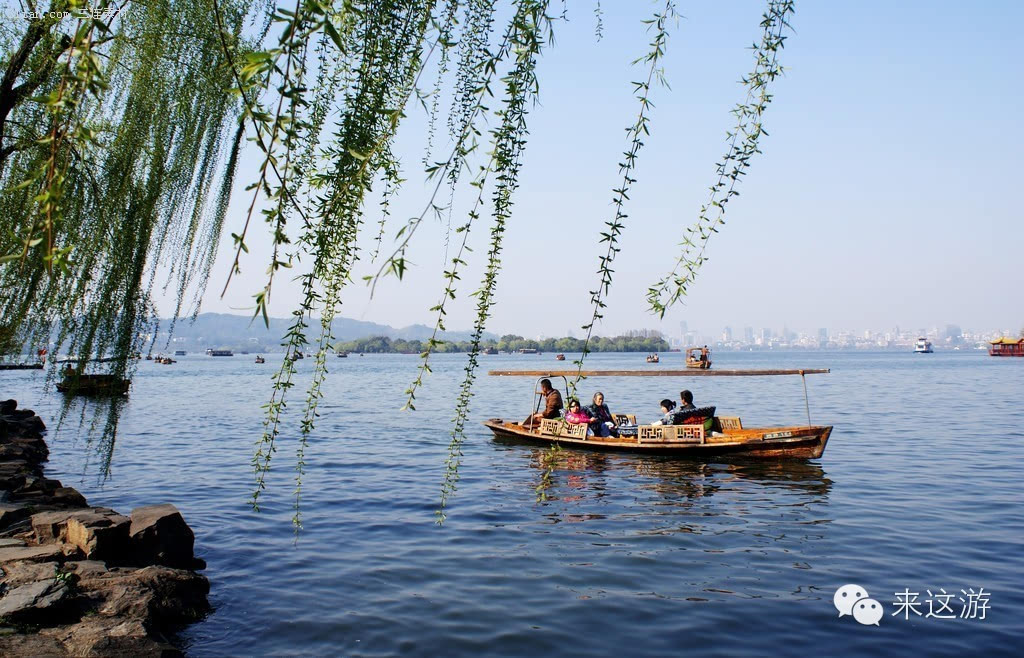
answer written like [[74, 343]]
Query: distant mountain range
[[223, 330]]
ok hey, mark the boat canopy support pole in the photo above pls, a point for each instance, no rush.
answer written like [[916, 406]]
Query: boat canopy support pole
[[807, 405]]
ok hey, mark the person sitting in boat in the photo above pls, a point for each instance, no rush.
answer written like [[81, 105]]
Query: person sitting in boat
[[552, 405], [667, 407], [577, 416], [686, 397], [603, 423]]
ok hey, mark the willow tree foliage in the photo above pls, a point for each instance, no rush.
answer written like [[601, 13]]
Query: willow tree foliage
[[122, 124]]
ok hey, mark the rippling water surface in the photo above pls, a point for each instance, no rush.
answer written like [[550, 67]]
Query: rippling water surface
[[920, 488]]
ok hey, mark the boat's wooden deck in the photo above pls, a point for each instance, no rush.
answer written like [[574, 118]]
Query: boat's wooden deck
[[745, 435]]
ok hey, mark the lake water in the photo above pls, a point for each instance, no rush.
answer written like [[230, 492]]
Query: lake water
[[920, 488]]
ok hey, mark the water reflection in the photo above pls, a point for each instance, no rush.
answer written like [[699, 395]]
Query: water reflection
[[97, 420], [580, 479]]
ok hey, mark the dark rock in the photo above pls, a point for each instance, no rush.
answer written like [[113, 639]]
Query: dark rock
[[17, 574], [35, 601], [98, 532], [110, 636], [50, 526], [68, 497], [161, 596], [36, 484], [46, 553], [18, 644], [12, 513], [160, 535]]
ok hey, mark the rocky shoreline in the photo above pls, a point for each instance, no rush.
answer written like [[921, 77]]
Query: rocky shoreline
[[80, 580]]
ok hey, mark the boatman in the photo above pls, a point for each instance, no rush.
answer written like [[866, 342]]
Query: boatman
[[552, 405]]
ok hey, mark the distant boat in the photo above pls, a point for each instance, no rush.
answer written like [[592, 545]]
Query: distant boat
[[220, 353], [342, 355], [923, 346], [166, 360], [698, 357], [653, 358], [298, 355], [559, 357], [180, 352], [527, 350], [260, 359], [489, 350], [93, 385], [1006, 347]]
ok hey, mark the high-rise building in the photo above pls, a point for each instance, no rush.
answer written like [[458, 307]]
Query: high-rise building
[[748, 334], [727, 335]]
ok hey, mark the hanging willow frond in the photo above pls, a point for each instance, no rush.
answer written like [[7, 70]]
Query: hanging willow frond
[[743, 146], [121, 136]]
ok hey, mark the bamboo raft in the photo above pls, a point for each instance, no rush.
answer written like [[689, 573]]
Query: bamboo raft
[[725, 436]]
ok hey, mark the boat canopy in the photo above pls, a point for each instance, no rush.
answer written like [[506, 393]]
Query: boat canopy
[[656, 373], [1006, 341]]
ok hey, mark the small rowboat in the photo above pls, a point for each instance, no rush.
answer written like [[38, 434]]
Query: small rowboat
[[653, 358], [721, 436], [698, 357], [93, 385], [559, 357]]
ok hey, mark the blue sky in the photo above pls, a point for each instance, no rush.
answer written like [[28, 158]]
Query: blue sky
[[887, 192]]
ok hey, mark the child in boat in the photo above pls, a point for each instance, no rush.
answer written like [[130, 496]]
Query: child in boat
[[576, 416], [669, 418]]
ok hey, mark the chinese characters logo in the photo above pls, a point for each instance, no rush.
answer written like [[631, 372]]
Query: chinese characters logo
[[854, 600]]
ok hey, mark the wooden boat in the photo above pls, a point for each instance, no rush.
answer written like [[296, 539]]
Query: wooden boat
[[93, 385], [723, 436], [559, 357], [698, 357], [489, 350], [653, 358], [21, 366], [342, 355], [165, 360], [1006, 347], [260, 359]]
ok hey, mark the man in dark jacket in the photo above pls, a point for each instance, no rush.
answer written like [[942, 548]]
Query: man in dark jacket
[[552, 405]]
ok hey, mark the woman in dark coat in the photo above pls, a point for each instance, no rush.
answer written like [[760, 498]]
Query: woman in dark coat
[[603, 423]]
